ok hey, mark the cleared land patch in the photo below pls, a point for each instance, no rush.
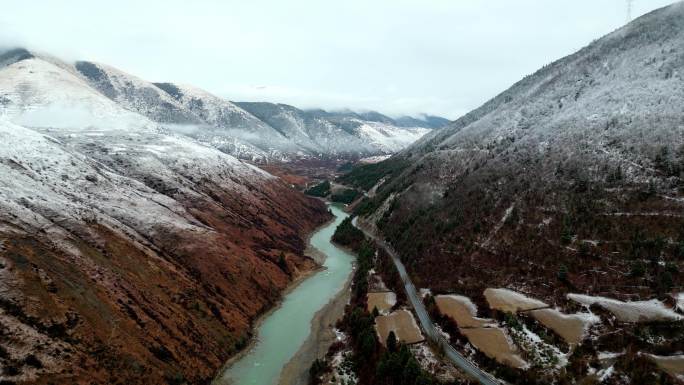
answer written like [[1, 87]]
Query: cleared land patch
[[402, 323], [636, 311], [461, 309], [383, 301], [674, 365], [509, 301], [494, 343], [571, 327]]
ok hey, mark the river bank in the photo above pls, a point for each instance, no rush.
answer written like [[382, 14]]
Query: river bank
[[296, 372], [295, 325], [322, 336], [257, 324], [319, 259]]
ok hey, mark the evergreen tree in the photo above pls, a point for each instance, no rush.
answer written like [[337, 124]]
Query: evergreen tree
[[563, 273], [566, 231], [638, 269], [680, 250], [392, 341], [666, 282], [282, 263]]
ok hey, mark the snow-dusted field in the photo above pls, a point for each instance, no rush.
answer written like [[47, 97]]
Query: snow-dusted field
[[511, 301], [461, 309], [671, 364], [383, 301], [635, 311], [497, 344], [402, 323], [572, 327]]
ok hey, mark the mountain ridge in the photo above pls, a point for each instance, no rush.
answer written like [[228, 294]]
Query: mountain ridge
[[570, 181], [595, 133], [127, 251]]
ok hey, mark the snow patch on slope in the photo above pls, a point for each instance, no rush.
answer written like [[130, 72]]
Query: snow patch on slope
[[636, 311], [388, 138], [38, 92]]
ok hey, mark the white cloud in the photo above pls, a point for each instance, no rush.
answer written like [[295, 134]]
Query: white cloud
[[397, 56]]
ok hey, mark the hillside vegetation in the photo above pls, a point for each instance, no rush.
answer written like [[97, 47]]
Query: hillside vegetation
[[570, 181], [578, 166], [129, 254]]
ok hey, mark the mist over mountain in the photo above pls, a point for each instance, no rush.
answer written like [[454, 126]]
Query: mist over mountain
[[427, 121]]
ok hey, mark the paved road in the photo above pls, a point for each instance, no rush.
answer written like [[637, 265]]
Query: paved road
[[426, 323]]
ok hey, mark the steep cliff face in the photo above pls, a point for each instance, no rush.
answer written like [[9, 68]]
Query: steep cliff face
[[575, 168], [129, 254]]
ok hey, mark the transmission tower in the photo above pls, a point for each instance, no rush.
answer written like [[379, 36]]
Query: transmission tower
[[630, 3]]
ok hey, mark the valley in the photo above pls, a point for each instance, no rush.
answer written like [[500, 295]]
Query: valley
[[153, 232], [140, 239]]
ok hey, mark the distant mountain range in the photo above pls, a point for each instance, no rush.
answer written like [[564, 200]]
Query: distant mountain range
[[345, 132], [254, 131]]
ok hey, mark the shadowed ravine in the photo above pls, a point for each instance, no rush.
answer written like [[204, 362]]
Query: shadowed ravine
[[282, 332]]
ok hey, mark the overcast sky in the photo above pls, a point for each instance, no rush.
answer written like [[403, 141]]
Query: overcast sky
[[441, 57]]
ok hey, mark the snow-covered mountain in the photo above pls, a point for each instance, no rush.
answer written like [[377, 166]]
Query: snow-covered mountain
[[120, 237], [570, 181], [583, 158], [256, 131], [193, 113], [622, 91], [43, 90], [427, 121], [224, 123], [135, 94], [337, 133]]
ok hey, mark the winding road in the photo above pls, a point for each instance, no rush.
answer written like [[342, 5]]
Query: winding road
[[426, 323]]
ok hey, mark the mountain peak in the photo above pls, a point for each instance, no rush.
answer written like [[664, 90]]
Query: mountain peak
[[14, 55]]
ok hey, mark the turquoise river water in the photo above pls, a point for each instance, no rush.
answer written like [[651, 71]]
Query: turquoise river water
[[282, 332]]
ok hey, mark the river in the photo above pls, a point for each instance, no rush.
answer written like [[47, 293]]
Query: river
[[283, 331]]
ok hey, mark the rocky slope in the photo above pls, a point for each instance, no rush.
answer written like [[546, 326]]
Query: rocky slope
[[575, 172], [129, 254]]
